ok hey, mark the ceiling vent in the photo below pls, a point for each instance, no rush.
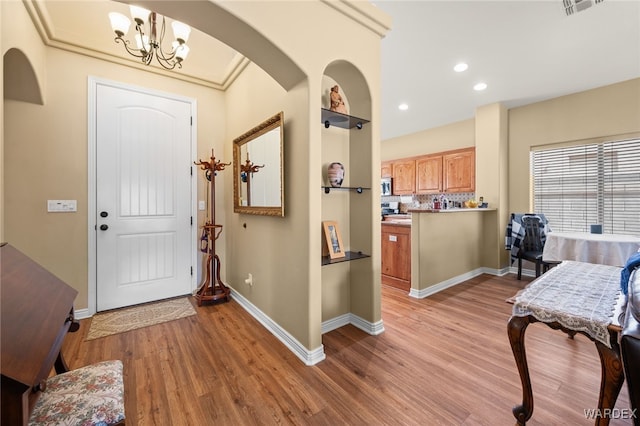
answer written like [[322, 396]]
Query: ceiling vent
[[574, 6]]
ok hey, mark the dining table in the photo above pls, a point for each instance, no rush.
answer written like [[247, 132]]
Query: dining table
[[602, 249]]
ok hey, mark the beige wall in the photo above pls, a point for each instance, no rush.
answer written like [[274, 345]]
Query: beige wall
[[605, 113], [46, 153], [452, 136]]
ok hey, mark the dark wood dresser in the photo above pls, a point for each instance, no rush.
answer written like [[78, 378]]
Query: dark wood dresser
[[36, 313]]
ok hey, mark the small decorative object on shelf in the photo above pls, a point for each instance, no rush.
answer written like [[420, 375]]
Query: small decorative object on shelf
[[337, 104], [333, 239], [335, 174]]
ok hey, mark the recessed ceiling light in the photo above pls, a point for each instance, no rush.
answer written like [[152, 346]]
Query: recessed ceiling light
[[403, 107], [480, 86], [460, 67]]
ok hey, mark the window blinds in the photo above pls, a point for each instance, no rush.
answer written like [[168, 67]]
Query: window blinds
[[597, 183]]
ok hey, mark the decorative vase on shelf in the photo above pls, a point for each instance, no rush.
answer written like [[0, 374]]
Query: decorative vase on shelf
[[335, 174]]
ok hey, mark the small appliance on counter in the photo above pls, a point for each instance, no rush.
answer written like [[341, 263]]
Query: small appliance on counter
[[390, 207], [386, 186]]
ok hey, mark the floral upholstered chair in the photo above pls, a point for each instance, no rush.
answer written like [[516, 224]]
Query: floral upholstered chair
[[91, 395]]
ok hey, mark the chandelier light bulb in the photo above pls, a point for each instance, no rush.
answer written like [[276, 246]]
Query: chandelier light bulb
[[143, 43], [181, 31], [139, 14], [182, 50], [119, 23]]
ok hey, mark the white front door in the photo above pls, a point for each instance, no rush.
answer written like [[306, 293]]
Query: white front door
[[143, 197]]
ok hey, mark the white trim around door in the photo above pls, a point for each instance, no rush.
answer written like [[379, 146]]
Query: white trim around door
[[93, 84]]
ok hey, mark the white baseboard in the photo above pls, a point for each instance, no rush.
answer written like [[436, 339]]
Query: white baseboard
[[81, 313], [421, 294], [368, 327], [308, 357]]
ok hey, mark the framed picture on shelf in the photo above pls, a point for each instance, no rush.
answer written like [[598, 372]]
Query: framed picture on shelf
[[333, 238]]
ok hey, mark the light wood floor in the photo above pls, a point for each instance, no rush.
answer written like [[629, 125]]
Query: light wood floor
[[442, 360]]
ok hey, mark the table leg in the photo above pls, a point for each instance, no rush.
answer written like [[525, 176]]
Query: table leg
[[516, 329], [612, 378]]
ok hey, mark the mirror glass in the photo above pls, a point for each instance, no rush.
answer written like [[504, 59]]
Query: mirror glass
[[257, 169]]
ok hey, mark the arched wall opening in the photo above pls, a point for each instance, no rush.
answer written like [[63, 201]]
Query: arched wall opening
[[20, 80], [352, 289]]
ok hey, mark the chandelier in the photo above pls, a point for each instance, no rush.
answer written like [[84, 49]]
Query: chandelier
[[148, 41]]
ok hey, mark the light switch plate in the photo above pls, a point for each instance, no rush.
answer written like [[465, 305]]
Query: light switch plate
[[62, 206]]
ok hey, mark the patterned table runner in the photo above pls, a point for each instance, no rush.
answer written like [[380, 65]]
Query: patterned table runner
[[580, 296]]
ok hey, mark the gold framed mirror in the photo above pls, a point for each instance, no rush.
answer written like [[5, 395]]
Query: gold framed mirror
[[258, 181]]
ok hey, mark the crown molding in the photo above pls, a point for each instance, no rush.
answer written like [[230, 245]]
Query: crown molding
[[364, 13]]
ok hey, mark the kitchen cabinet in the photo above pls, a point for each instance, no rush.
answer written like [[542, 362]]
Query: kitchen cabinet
[[404, 177], [396, 256], [386, 169], [429, 174], [459, 171], [448, 172]]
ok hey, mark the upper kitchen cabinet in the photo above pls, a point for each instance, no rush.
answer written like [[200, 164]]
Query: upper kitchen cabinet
[[459, 174], [404, 177], [429, 174], [386, 169]]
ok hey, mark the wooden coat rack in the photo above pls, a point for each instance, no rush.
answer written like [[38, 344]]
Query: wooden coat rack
[[212, 287]]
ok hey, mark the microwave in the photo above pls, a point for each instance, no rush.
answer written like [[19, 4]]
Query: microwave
[[386, 186]]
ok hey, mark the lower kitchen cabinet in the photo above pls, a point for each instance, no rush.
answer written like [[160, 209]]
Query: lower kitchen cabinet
[[396, 256]]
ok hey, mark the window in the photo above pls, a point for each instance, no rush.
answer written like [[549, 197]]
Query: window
[[577, 186]]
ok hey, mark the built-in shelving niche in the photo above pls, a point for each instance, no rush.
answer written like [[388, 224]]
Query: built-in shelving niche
[[344, 121]]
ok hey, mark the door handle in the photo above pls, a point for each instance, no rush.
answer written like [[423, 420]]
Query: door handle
[[104, 227]]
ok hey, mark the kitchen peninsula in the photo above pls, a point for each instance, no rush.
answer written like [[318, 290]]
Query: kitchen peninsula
[[449, 246]]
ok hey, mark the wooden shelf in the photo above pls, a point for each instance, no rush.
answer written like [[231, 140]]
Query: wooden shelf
[[332, 118], [349, 256], [358, 189]]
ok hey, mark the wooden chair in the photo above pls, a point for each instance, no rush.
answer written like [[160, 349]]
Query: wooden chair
[[91, 395], [532, 245]]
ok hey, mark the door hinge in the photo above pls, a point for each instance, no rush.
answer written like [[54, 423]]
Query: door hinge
[[192, 271], [191, 220], [191, 120], [191, 170]]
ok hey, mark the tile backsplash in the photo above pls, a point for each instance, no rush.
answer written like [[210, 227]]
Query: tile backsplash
[[426, 200]]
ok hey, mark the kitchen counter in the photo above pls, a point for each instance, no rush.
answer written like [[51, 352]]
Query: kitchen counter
[[456, 210], [397, 219], [398, 222]]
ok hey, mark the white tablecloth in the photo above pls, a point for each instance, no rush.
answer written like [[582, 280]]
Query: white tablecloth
[[580, 296], [604, 249]]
